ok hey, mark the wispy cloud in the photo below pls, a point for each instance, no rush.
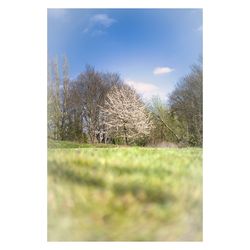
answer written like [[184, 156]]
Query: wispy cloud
[[200, 28], [97, 24], [162, 70], [98, 32], [146, 90], [102, 19]]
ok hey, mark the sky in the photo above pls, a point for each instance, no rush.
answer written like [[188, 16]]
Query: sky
[[151, 49]]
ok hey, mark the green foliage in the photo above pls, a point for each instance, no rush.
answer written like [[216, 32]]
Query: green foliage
[[142, 141], [118, 140], [124, 193], [166, 127]]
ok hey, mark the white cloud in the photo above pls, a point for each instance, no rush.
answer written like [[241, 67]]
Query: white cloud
[[162, 70], [147, 90], [102, 19], [97, 24]]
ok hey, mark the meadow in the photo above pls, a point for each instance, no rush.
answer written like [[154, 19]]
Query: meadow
[[99, 193]]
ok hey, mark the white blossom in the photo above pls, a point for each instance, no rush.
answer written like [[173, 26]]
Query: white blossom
[[125, 114]]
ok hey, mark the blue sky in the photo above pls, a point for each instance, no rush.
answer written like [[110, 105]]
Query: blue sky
[[150, 48]]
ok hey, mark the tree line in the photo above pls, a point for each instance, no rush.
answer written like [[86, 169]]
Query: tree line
[[99, 107]]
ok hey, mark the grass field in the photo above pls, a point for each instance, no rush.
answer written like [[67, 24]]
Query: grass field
[[124, 194]]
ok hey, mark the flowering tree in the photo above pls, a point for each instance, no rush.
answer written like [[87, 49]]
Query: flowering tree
[[124, 114]]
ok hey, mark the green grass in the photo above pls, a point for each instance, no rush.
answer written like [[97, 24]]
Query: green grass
[[70, 144], [124, 194]]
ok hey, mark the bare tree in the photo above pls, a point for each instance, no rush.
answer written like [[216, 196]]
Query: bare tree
[[54, 102], [108, 80], [75, 116], [65, 99], [186, 103], [125, 114], [91, 91], [165, 124], [50, 102]]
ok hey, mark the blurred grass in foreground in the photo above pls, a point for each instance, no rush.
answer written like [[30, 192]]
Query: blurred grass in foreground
[[124, 194]]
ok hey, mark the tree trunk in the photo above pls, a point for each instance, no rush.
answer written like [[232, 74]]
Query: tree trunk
[[105, 138], [166, 125], [125, 134]]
